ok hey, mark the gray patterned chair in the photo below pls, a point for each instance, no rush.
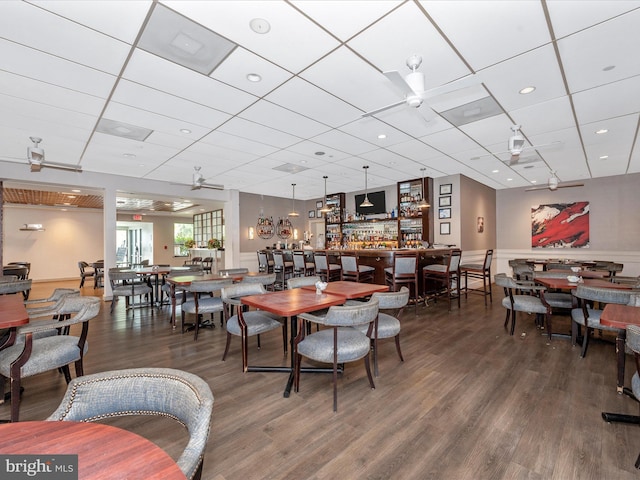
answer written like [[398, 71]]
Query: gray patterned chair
[[50, 352], [352, 271], [16, 286], [297, 282], [325, 270], [204, 301], [42, 306], [266, 279], [245, 324], [588, 317], [522, 296], [404, 272], [126, 284], [164, 392], [557, 300], [340, 343]]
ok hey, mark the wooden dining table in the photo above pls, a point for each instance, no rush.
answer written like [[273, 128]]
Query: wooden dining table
[[582, 273], [564, 284], [184, 281], [291, 303], [620, 316], [103, 451]]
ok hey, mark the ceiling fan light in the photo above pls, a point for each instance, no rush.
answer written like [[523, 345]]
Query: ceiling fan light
[[366, 202]]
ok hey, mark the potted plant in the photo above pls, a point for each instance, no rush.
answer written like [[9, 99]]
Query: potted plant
[[214, 243], [189, 243]]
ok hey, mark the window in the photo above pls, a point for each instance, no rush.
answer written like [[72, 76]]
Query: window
[[207, 226], [181, 233]]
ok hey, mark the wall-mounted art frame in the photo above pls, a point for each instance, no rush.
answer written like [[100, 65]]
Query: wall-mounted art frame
[[319, 204], [319, 214], [445, 228], [445, 189], [444, 201], [312, 214], [444, 213]]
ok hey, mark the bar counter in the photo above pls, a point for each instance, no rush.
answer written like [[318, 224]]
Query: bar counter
[[383, 258]]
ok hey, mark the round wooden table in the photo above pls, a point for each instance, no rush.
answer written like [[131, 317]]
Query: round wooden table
[[104, 452]]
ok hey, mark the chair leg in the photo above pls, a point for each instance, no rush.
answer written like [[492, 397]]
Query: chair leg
[[15, 399], [245, 348], [367, 365], [67, 373], [226, 348], [513, 321], [374, 342], [585, 342], [79, 369], [397, 337]]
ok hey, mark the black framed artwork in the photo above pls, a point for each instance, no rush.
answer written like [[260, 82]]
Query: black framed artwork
[[312, 214], [445, 228], [444, 213], [319, 214], [444, 201], [445, 189], [319, 204]]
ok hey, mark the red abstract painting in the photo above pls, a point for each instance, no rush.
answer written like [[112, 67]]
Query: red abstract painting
[[560, 225]]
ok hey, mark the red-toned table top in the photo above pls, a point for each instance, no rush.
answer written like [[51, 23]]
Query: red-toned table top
[[287, 303], [351, 290], [564, 284], [582, 273], [619, 316], [104, 452], [12, 311]]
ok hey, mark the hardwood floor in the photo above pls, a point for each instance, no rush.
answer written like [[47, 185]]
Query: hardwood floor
[[469, 402]]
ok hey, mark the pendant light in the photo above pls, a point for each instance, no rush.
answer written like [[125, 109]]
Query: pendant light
[[423, 203], [293, 212], [325, 208], [366, 202]]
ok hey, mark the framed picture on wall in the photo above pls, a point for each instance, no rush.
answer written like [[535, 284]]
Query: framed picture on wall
[[445, 228], [312, 214], [319, 204], [319, 214], [444, 201], [444, 213], [445, 189]]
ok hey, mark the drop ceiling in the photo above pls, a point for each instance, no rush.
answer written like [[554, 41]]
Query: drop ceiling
[[70, 68]]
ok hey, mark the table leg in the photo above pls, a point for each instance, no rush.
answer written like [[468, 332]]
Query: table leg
[[620, 343], [173, 305]]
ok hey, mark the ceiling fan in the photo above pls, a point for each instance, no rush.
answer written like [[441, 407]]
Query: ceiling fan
[[554, 183], [516, 146], [412, 87], [35, 157], [199, 182]]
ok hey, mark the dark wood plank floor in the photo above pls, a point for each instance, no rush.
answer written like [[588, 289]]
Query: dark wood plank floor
[[469, 402]]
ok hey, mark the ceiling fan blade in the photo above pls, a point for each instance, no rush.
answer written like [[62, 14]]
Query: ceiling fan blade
[[399, 82], [382, 109], [546, 187], [212, 186], [468, 81], [514, 159], [569, 185], [62, 166]]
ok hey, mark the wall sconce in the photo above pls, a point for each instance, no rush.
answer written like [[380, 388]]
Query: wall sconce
[[295, 233], [251, 233]]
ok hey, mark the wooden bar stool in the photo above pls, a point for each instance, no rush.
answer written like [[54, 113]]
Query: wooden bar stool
[[404, 272], [480, 271]]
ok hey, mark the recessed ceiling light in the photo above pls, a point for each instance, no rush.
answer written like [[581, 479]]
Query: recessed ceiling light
[[185, 130], [303, 161], [128, 155], [509, 179], [73, 196], [534, 181], [319, 153], [495, 171], [254, 77], [604, 157], [381, 136], [260, 25], [76, 190], [601, 131], [608, 68], [526, 90], [167, 204], [141, 164]]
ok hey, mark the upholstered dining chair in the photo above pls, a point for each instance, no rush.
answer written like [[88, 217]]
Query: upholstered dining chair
[[340, 343], [126, 284], [163, 392], [444, 276], [203, 301], [266, 279], [387, 325], [297, 282], [352, 271], [587, 314], [301, 266], [245, 324], [264, 263], [233, 271], [327, 271], [404, 272], [85, 272], [522, 296], [282, 268], [15, 286], [480, 271], [50, 352]]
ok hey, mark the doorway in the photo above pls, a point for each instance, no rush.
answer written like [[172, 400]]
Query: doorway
[[134, 243]]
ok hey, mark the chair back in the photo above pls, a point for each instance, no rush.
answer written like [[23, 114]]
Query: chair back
[[278, 260], [234, 271], [504, 281], [299, 262], [454, 260], [15, 287], [320, 259], [238, 290], [297, 282], [208, 286], [523, 271], [392, 300], [144, 391], [8, 278], [633, 339], [263, 261], [606, 295], [405, 264], [19, 271], [265, 279], [349, 262], [118, 277], [349, 315], [563, 274], [488, 258]]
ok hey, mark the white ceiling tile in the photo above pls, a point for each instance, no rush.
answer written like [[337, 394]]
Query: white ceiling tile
[[608, 101], [566, 21], [259, 133], [267, 113]]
